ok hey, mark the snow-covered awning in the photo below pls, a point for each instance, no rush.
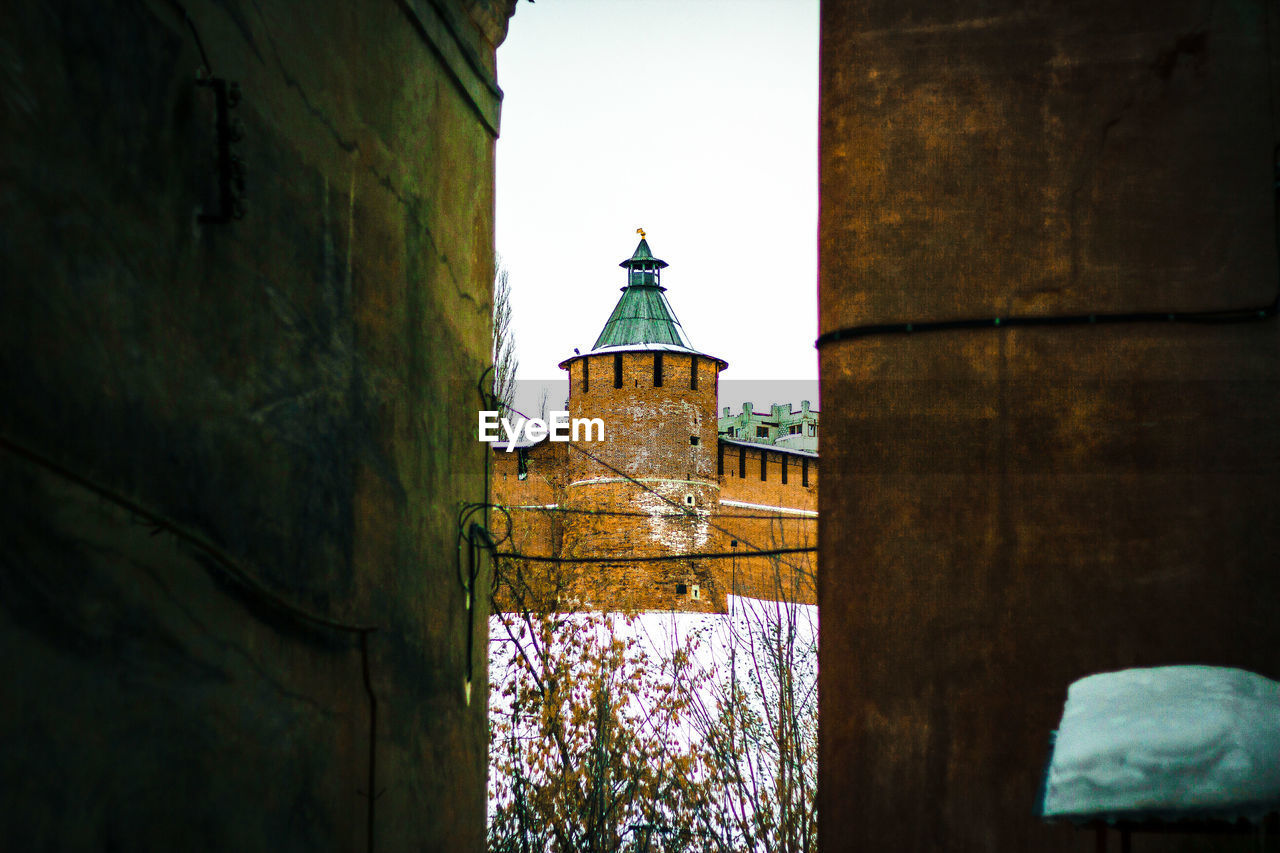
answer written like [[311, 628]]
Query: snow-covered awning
[[1168, 743]]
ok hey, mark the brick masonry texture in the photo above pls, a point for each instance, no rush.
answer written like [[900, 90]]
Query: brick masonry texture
[[665, 438]]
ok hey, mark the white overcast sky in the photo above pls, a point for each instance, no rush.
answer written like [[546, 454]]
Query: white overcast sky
[[694, 119]]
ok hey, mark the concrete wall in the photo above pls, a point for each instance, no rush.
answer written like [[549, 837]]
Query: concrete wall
[[212, 431], [1007, 510]]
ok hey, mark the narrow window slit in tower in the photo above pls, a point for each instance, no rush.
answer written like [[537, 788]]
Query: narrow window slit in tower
[[586, 375], [804, 471], [720, 458], [742, 463], [693, 373], [657, 370], [764, 465], [617, 370], [783, 460]]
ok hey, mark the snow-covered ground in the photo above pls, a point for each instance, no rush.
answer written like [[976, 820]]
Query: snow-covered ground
[[718, 642], [768, 649], [1167, 742]]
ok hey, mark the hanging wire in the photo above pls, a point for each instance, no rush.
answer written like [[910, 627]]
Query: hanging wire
[[1229, 315], [659, 558], [799, 515], [683, 510], [195, 34], [1245, 314]]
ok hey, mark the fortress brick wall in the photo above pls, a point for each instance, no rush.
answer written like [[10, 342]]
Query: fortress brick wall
[[575, 499], [649, 428], [659, 414], [787, 480], [644, 526], [527, 477], [762, 512], [529, 484]]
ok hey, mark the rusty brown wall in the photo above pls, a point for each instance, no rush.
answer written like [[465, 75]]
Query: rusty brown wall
[[1007, 510], [212, 430]]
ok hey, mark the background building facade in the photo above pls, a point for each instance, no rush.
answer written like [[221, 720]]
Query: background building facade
[[783, 426]]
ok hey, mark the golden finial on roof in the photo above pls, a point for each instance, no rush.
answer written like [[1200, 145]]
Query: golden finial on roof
[[640, 231]]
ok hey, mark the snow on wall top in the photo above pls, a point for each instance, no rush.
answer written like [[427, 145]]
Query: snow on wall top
[[1167, 742]]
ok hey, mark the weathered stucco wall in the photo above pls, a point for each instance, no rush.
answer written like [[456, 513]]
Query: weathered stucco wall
[[209, 428], [1007, 510]]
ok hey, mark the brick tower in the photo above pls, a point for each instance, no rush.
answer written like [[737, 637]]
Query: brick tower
[[650, 488]]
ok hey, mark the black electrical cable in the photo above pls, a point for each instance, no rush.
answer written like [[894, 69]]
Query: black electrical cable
[[659, 558], [798, 515], [216, 555], [756, 549], [372, 782], [1229, 315], [195, 34]]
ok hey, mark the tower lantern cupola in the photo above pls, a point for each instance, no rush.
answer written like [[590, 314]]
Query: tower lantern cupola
[[643, 269], [642, 315], [642, 319]]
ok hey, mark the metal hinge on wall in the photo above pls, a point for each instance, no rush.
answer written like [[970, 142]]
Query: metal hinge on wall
[[230, 168]]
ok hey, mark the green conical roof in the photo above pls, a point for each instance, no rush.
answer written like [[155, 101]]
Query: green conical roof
[[642, 315]]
